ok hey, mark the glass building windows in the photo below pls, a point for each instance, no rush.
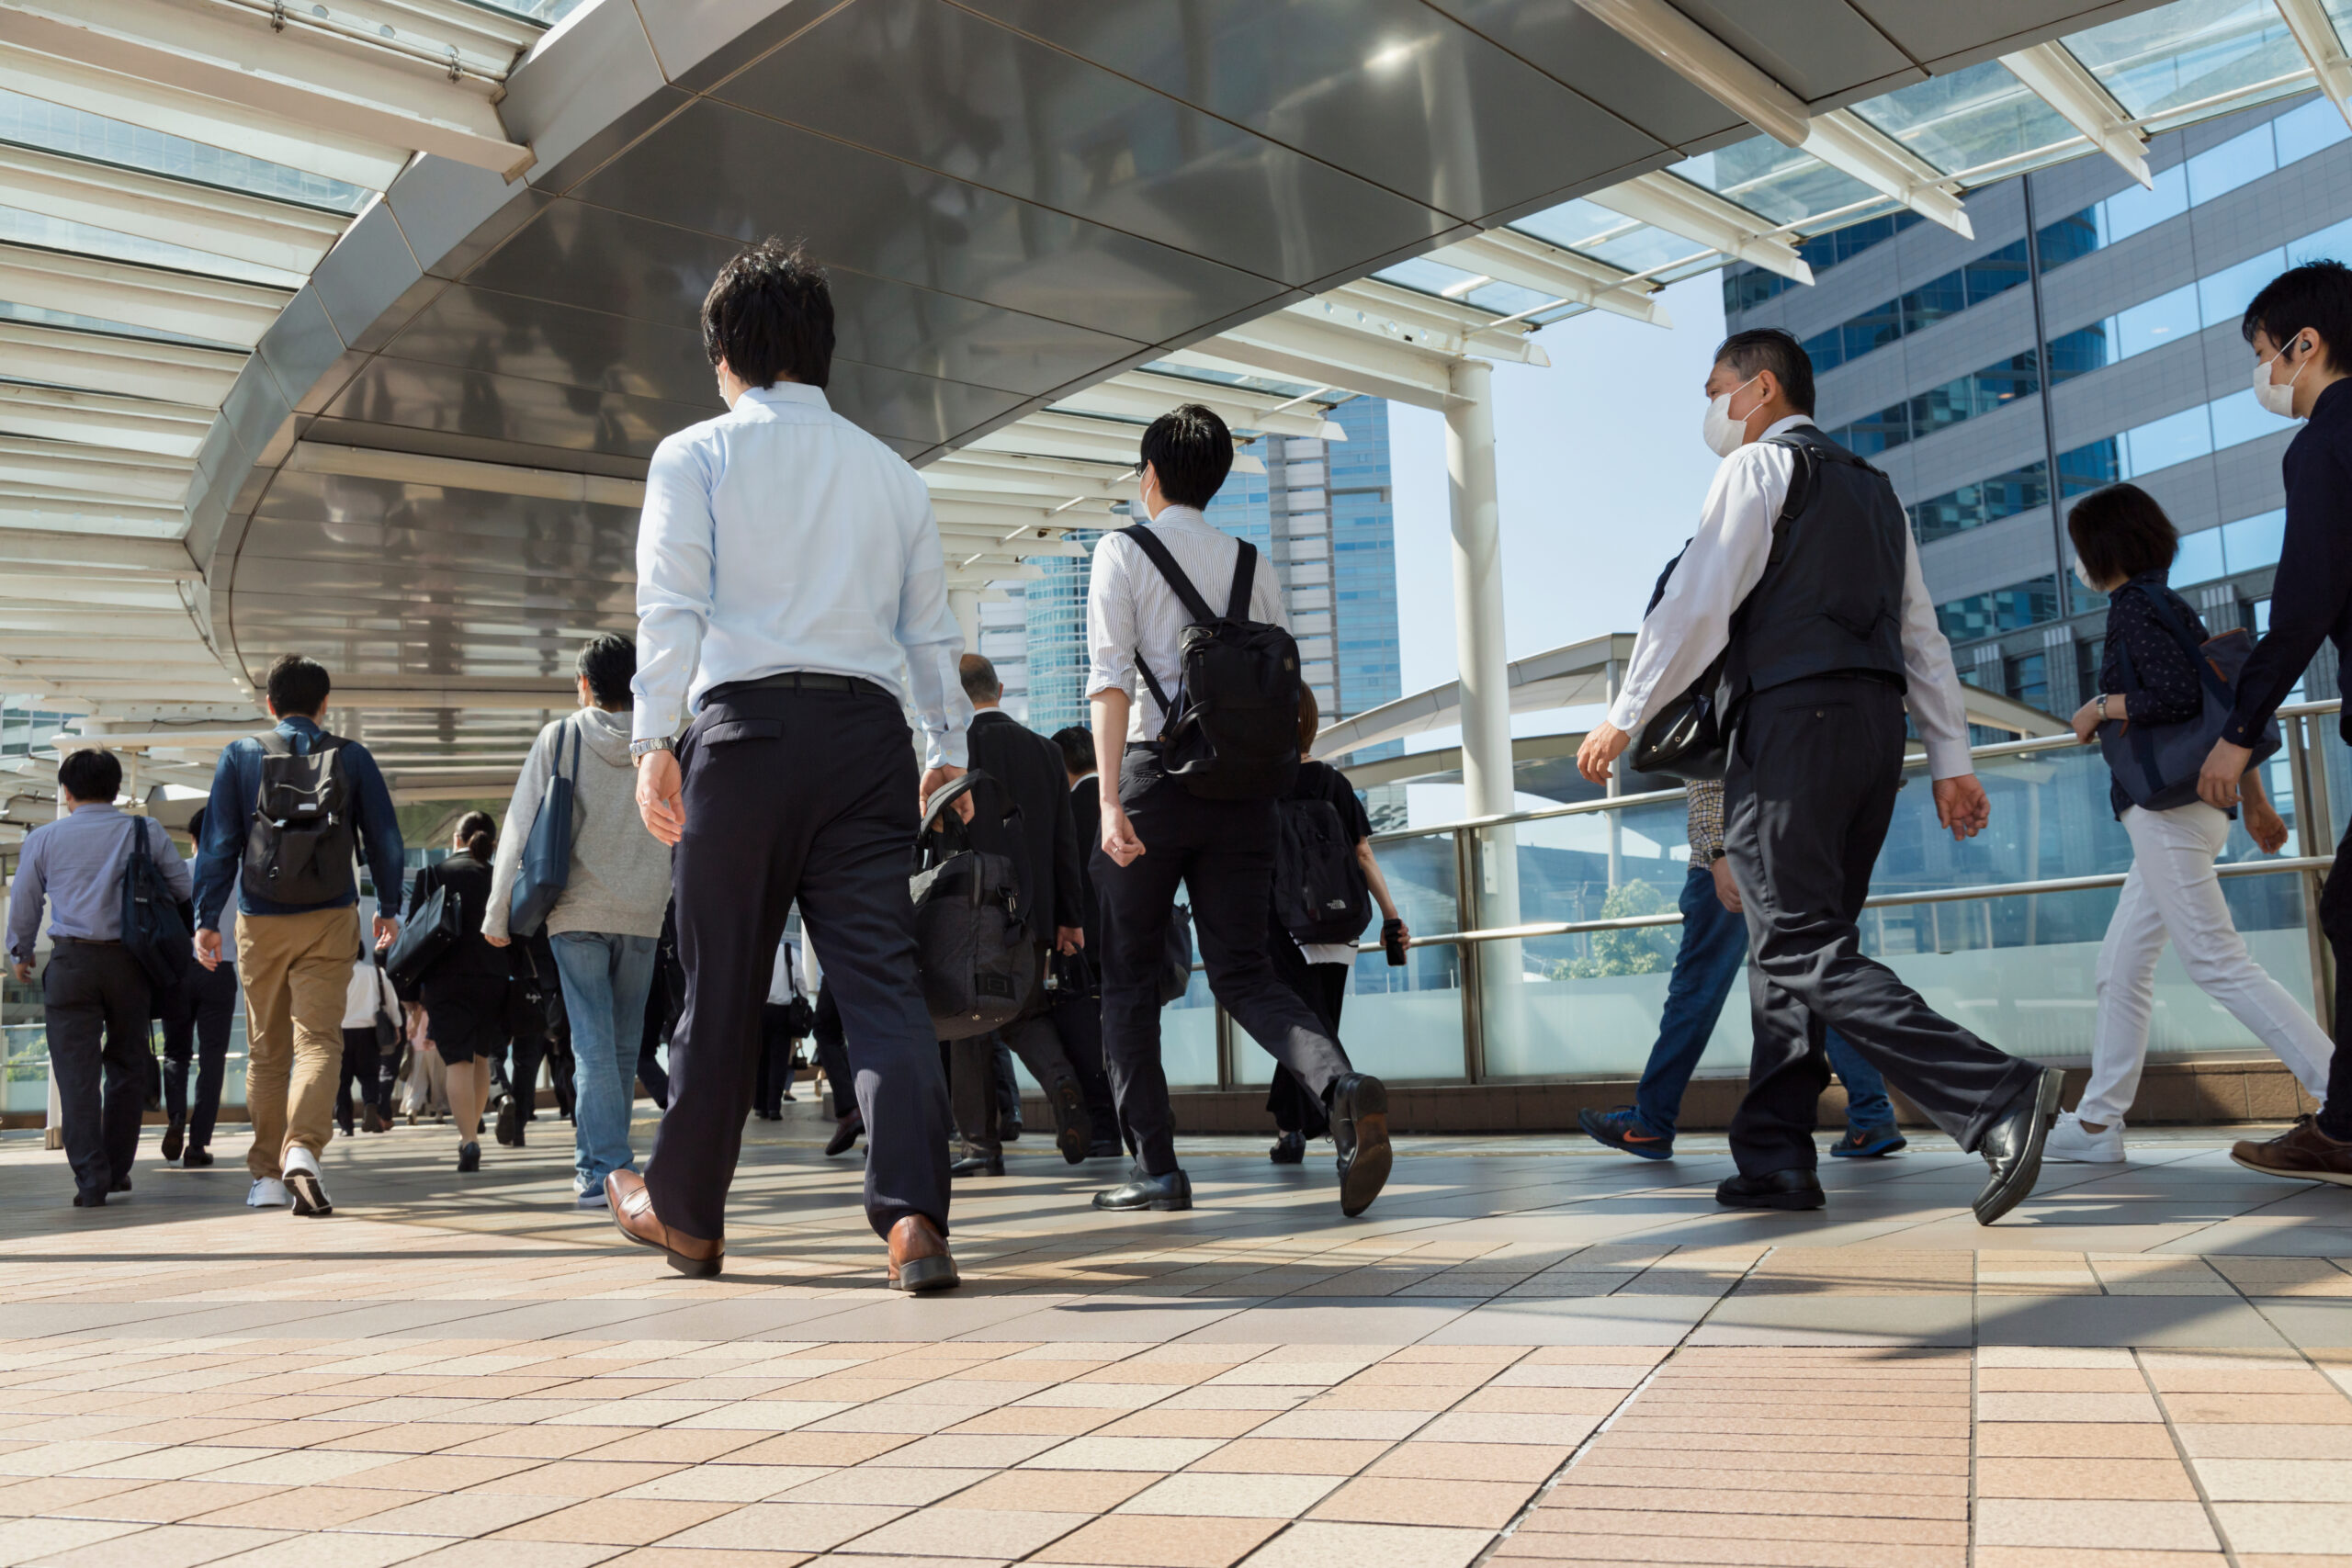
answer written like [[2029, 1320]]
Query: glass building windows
[[1747, 286], [2001, 610], [1986, 500], [1984, 278], [2027, 679], [1937, 407]]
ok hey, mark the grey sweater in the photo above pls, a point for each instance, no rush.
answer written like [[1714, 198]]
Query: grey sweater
[[620, 872]]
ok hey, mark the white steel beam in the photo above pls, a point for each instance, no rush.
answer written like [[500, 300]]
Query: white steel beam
[[130, 368], [180, 302], [215, 123], [1078, 436], [90, 514], [300, 74], [1853, 147], [1019, 474], [103, 420], [1510, 256], [2315, 35], [61, 468], [1708, 63], [203, 218], [2051, 73], [1700, 215], [1394, 314], [156, 558], [1138, 394], [1297, 347]]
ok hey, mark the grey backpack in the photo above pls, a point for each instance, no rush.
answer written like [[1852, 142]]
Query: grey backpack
[[979, 965]]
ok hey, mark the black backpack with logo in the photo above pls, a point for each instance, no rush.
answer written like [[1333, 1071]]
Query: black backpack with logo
[[304, 839], [1232, 731], [1321, 894]]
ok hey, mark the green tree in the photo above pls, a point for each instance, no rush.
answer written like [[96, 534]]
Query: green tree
[[1642, 950]]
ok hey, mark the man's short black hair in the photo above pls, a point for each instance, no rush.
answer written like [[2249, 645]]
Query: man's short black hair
[[2317, 295], [608, 663], [90, 773], [1768, 348], [2120, 532], [1078, 749], [1192, 451], [769, 315], [979, 677], [297, 686]]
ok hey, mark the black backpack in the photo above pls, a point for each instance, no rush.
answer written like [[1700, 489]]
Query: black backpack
[[303, 840], [1232, 731], [154, 930], [979, 967], [1321, 894]]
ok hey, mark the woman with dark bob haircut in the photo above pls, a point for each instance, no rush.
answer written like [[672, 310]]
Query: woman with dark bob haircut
[[2124, 546]]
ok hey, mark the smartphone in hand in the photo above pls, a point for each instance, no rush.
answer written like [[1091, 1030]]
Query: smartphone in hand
[[1392, 942]]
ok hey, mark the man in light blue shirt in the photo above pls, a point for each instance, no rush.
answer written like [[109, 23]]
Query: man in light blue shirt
[[94, 988], [792, 600]]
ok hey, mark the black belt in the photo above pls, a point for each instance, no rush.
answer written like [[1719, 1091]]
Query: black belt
[[798, 681], [88, 940], [1152, 746]]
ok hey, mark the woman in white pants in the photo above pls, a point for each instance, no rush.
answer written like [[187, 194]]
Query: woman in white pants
[[2124, 546]]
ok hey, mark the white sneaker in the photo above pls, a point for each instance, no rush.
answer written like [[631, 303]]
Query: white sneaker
[[310, 1194], [2071, 1142], [268, 1192]]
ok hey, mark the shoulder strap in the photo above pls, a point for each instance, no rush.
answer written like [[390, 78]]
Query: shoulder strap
[[2161, 605], [1245, 574], [1154, 548]]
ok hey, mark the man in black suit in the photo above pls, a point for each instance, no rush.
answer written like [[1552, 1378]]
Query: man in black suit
[[1024, 812], [1078, 993]]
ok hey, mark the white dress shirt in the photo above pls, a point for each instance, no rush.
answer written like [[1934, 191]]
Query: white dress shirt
[[1722, 566], [1130, 607], [779, 536]]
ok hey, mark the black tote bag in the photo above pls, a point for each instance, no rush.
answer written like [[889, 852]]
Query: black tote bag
[[153, 929], [425, 938], [546, 870]]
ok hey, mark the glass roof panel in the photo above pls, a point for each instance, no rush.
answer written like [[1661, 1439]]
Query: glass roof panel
[[1594, 230], [1275, 384], [61, 234], [1975, 115], [1425, 277], [36, 123], [547, 11], [2188, 52], [1781, 183], [35, 315]]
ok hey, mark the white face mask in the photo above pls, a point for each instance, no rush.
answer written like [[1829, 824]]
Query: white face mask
[[2273, 397], [2084, 577], [1723, 433]]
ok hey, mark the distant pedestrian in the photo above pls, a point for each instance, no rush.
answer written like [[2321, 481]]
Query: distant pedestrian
[[465, 991], [197, 1022], [94, 993], [363, 1090]]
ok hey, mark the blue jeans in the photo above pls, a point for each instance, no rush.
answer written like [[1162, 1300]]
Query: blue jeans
[[606, 977], [1715, 944]]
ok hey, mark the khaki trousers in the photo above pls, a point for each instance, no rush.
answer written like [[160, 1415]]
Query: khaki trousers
[[296, 970]]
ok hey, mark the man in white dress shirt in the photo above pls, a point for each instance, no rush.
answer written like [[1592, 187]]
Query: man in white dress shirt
[[792, 599], [1156, 832], [1816, 602]]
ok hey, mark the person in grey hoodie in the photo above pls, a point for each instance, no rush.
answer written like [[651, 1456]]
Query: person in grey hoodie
[[606, 924]]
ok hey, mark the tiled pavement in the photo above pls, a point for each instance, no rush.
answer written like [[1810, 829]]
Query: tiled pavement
[[1525, 1352]]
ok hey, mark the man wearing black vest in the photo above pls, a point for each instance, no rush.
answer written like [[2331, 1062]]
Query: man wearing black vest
[[1156, 831], [1808, 546], [1024, 812]]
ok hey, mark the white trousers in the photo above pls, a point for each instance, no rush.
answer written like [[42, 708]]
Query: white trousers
[[2172, 891]]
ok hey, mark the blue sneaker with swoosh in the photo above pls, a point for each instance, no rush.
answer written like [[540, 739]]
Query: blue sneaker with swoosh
[[1621, 1129]]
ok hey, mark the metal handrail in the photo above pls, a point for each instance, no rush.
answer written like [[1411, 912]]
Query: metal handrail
[[1998, 749]]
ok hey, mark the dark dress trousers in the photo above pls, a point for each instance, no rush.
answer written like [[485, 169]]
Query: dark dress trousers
[[1025, 773], [1222, 852], [799, 793], [1077, 988], [95, 1000], [197, 1022]]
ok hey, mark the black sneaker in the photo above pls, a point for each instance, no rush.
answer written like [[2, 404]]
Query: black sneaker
[[1870, 1143], [1621, 1129], [1793, 1190], [174, 1138]]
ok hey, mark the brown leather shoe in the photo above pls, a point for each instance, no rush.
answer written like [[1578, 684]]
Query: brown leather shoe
[[919, 1260], [632, 1208], [2302, 1153]]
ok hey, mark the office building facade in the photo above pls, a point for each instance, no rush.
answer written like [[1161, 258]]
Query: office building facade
[[1323, 512], [2088, 333]]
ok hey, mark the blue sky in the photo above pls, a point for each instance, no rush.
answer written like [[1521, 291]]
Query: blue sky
[[1601, 474]]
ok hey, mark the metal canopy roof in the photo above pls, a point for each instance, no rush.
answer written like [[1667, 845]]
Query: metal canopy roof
[[350, 327]]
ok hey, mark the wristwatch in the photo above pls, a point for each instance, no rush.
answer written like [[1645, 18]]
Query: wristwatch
[[640, 750]]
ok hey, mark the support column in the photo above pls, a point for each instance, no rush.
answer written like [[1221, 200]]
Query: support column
[[1484, 674], [965, 604]]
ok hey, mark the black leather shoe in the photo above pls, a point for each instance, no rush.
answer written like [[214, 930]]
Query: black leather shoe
[[174, 1138], [469, 1156], [1360, 1127], [196, 1159], [1106, 1148], [1011, 1132], [1073, 1128], [846, 1133], [2012, 1147], [1168, 1194], [510, 1122], [89, 1200], [1290, 1148], [977, 1165], [119, 1184], [1790, 1190]]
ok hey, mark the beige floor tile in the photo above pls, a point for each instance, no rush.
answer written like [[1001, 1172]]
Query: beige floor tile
[[1462, 1427], [2154, 1480], [312, 1508], [1318, 1544], [1394, 1500], [2087, 1557], [2285, 1527], [1234, 1497], [22, 1541], [2136, 1406], [1424, 1460], [2277, 1481], [2299, 1409], [1292, 1456], [316, 1549], [169, 1501], [2036, 1522], [1128, 1540], [677, 1557], [902, 1486], [465, 1514], [1123, 1454], [1055, 1490], [1004, 1533], [786, 1527], [165, 1546], [2088, 1440], [519, 1555], [616, 1521], [577, 1478], [2258, 1441]]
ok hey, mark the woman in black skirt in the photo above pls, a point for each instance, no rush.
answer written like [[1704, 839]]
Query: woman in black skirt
[[465, 991]]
